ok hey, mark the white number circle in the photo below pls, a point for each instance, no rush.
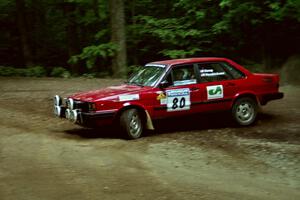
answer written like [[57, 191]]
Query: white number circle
[[178, 99]]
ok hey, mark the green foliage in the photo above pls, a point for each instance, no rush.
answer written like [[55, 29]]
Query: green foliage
[[237, 14], [60, 72], [249, 29], [89, 75], [7, 71], [171, 30], [179, 53], [133, 69], [91, 53], [177, 37], [221, 27], [36, 71], [100, 34], [289, 9]]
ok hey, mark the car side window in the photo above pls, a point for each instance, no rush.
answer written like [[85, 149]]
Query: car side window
[[183, 75], [236, 74], [210, 72]]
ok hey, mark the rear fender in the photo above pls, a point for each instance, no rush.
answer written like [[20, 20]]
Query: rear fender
[[270, 80], [245, 94]]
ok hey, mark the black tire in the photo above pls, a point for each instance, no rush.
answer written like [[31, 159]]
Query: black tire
[[131, 124], [244, 111]]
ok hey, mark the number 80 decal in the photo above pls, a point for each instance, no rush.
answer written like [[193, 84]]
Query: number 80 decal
[[178, 99]]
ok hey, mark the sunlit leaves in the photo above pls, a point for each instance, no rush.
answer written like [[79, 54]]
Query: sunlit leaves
[[172, 31], [91, 53], [180, 53]]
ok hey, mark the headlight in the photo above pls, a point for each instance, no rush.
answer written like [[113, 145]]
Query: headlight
[[70, 104]]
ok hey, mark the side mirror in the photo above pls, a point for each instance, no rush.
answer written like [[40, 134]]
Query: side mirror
[[164, 84]]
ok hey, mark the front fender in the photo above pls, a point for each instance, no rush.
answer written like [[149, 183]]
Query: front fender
[[143, 110]]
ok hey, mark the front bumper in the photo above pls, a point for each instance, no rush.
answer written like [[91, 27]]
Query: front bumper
[[96, 118], [80, 114], [269, 97], [88, 119]]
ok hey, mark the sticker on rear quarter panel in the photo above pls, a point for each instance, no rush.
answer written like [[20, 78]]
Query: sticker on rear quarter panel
[[214, 92], [178, 99]]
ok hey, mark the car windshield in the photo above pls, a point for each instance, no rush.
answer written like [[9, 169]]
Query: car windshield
[[146, 76]]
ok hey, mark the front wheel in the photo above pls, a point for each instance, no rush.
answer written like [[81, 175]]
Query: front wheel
[[244, 111], [131, 123]]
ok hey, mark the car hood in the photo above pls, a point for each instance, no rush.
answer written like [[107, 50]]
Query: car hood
[[109, 93]]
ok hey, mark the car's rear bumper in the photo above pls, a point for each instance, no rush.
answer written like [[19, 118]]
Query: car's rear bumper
[[264, 99]]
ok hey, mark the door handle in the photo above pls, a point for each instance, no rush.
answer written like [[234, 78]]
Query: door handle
[[230, 84], [194, 89]]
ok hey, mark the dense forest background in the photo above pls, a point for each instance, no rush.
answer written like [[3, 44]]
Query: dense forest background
[[110, 37]]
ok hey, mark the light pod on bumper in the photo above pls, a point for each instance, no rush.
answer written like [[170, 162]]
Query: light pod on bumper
[[68, 113], [57, 111], [57, 100], [73, 116], [70, 104]]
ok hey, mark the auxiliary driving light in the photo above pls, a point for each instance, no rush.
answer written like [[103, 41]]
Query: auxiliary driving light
[[57, 100], [68, 113], [73, 116], [57, 111], [70, 103]]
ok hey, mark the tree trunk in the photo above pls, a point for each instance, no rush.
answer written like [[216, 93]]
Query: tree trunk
[[95, 8], [72, 34], [24, 37], [135, 42], [118, 36]]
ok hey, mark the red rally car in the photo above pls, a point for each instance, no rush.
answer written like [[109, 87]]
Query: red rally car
[[173, 88]]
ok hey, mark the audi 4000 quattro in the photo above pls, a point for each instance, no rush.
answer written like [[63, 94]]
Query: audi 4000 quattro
[[173, 88]]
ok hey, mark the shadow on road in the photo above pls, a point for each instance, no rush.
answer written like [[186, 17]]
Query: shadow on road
[[194, 123], [93, 133], [212, 121]]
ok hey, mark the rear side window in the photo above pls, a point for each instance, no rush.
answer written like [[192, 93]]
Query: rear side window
[[236, 74], [210, 72]]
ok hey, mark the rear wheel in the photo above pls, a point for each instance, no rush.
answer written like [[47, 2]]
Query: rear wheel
[[244, 111], [131, 123]]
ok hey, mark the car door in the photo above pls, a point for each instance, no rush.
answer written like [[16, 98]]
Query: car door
[[177, 98], [218, 86]]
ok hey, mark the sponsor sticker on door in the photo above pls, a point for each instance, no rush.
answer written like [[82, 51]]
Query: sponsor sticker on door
[[214, 92]]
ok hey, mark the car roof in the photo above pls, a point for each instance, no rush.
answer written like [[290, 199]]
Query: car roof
[[189, 60]]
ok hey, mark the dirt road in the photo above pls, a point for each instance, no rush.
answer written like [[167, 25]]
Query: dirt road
[[42, 157]]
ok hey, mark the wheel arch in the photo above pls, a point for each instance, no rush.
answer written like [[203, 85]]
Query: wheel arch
[[146, 119], [245, 94]]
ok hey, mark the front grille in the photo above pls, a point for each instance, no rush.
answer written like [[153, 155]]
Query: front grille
[[83, 106]]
